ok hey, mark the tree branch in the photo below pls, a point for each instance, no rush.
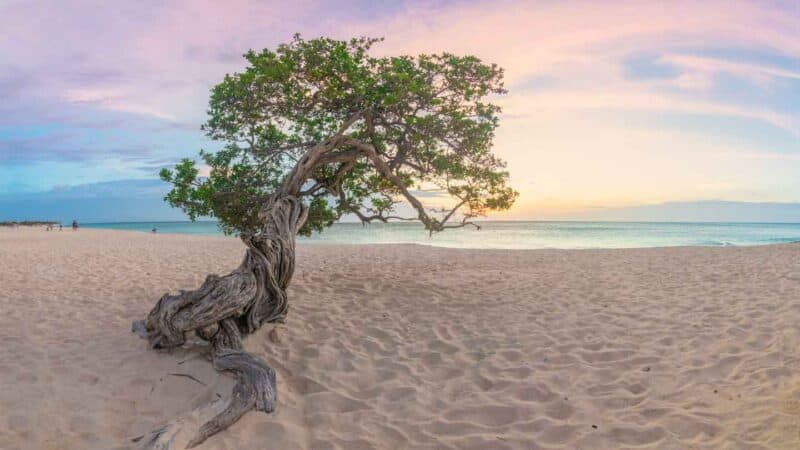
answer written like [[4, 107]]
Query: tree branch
[[386, 171], [295, 179]]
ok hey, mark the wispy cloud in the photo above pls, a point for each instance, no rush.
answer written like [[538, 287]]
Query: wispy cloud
[[642, 100], [127, 84], [706, 68]]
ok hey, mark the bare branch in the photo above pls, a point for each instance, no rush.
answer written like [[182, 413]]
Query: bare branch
[[343, 156], [313, 189], [447, 217], [387, 172], [464, 222], [295, 179]]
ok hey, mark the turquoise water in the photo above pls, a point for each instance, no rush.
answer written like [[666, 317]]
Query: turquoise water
[[510, 235]]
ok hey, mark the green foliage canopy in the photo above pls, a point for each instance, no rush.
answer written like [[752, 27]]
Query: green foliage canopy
[[348, 132]]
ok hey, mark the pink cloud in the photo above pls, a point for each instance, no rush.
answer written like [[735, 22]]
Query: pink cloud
[[167, 54], [159, 59], [702, 68]]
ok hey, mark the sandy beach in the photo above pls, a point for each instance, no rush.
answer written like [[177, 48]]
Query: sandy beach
[[406, 346]]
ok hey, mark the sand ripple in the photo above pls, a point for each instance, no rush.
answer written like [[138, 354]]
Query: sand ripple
[[414, 347]]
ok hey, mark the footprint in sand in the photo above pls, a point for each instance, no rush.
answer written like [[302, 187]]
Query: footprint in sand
[[637, 436], [304, 385], [88, 378], [789, 401], [27, 378], [331, 402], [18, 422], [489, 415], [559, 410], [534, 393]]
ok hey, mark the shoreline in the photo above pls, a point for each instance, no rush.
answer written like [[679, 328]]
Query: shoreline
[[303, 242]]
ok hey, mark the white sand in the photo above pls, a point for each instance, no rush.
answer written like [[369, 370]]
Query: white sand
[[414, 347]]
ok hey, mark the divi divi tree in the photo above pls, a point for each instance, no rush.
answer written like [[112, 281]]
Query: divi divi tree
[[309, 132]]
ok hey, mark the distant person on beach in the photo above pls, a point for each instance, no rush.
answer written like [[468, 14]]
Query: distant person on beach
[[154, 230], [74, 225], [60, 227]]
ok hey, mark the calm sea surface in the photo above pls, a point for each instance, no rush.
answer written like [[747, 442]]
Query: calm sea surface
[[507, 234]]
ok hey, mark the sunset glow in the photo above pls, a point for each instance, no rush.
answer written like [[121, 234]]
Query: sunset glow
[[625, 104]]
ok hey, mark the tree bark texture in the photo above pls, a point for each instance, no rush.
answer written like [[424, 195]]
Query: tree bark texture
[[223, 310]]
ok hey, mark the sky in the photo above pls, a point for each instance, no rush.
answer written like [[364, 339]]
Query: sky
[[611, 104]]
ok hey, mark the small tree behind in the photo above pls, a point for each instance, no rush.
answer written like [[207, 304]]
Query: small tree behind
[[312, 131]]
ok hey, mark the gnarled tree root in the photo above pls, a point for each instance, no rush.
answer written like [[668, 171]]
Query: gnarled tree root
[[220, 311], [255, 389]]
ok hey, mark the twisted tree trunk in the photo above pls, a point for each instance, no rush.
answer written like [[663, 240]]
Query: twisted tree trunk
[[221, 311]]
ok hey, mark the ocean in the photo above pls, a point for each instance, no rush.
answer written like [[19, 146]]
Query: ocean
[[523, 235]]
